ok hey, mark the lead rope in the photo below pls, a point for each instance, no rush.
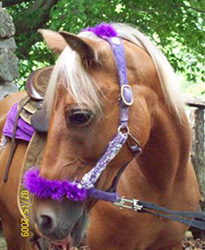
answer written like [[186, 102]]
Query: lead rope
[[197, 219]]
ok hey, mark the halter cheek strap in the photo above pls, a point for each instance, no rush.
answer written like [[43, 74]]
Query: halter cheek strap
[[125, 89], [126, 100]]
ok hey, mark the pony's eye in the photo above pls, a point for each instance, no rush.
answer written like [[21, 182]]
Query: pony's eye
[[80, 117]]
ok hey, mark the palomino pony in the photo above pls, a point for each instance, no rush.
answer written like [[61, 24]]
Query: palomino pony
[[86, 98]]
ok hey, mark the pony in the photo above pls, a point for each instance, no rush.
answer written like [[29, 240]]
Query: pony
[[82, 106]]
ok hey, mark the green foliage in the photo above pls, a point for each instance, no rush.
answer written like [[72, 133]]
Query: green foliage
[[175, 26]]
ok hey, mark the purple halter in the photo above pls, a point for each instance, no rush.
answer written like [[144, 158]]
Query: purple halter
[[79, 191]]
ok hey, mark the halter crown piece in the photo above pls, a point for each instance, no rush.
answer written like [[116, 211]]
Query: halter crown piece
[[81, 190]]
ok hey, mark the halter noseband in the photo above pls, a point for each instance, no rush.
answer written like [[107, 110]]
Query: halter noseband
[[79, 191]]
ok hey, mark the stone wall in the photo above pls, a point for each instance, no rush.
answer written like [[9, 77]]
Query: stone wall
[[8, 61]]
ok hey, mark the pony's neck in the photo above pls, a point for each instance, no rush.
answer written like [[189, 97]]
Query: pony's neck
[[166, 153]]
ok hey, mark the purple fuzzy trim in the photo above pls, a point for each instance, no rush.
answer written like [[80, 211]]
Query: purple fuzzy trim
[[52, 189], [103, 30]]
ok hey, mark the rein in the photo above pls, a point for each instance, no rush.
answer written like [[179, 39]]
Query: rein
[[81, 190]]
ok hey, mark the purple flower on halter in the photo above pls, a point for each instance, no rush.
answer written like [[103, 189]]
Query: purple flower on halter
[[52, 189], [103, 30]]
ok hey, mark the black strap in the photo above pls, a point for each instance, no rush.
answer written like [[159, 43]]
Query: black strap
[[113, 187], [197, 221], [136, 150]]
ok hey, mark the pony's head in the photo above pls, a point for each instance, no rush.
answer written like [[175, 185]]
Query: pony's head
[[83, 104]]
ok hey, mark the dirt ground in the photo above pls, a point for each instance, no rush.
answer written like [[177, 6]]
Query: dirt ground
[[188, 243], [193, 245], [2, 242]]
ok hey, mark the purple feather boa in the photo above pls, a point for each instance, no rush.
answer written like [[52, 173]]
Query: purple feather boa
[[103, 30], [53, 189]]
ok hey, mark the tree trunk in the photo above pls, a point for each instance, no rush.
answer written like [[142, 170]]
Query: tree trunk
[[198, 154]]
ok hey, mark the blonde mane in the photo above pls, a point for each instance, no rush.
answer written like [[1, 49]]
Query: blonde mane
[[84, 90], [70, 71]]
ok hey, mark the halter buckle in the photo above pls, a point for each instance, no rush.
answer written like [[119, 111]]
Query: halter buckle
[[126, 94]]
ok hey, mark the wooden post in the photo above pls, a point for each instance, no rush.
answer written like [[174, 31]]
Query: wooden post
[[198, 153], [198, 144]]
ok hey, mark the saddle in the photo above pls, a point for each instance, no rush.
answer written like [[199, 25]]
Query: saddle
[[30, 105], [36, 88], [37, 83]]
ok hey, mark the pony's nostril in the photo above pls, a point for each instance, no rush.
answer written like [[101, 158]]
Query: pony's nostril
[[45, 222]]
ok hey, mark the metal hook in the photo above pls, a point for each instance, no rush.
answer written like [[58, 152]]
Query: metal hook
[[136, 149], [129, 204]]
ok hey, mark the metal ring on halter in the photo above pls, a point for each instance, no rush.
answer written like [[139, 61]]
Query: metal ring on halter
[[127, 130]]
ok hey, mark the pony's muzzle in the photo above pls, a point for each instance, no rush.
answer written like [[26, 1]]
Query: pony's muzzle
[[49, 227], [61, 222]]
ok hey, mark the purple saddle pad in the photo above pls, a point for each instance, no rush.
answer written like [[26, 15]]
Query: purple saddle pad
[[24, 130]]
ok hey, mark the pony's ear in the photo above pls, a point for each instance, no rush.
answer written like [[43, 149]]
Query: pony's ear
[[54, 40], [81, 46]]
